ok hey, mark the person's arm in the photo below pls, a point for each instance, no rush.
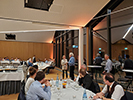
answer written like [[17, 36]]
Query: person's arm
[[101, 94], [44, 93], [62, 62], [80, 81], [71, 61]]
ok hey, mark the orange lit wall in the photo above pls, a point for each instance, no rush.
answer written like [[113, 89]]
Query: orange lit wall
[[25, 50]]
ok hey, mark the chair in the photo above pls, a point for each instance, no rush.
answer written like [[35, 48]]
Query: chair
[[21, 95], [129, 95], [125, 81], [97, 87]]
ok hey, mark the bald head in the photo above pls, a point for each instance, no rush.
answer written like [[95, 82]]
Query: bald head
[[106, 56], [83, 66]]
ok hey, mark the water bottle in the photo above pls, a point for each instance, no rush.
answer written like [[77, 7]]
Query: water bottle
[[57, 81], [84, 95]]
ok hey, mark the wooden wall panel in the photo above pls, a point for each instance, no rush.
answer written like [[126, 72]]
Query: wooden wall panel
[[25, 50]]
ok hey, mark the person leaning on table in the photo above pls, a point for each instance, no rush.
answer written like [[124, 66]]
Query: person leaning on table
[[86, 81], [36, 91], [112, 88]]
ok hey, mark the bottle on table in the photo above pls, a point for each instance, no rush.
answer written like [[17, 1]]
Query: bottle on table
[[84, 95], [57, 81]]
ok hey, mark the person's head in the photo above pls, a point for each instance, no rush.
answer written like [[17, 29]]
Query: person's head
[[98, 55], [64, 57], [83, 66], [36, 67], [106, 56], [40, 76], [32, 71], [127, 56], [108, 78], [82, 72], [71, 54]]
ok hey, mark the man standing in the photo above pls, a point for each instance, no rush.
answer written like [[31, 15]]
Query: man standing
[[128, 64], [36, 91], [112, 88], [72, 65], [108, 66]]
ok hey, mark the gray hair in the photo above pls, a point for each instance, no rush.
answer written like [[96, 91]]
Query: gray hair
[[107, 55], [83, 66], [71, 54]]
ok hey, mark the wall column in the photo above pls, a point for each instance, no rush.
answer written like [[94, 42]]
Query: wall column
[[80, 47], [109, 33]]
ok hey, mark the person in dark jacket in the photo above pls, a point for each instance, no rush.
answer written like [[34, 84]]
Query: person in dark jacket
[[128, 64], [85, 80]]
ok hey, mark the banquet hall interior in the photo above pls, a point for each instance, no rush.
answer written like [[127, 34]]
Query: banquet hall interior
[[45, 30]]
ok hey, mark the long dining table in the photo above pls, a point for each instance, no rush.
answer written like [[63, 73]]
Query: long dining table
[[10, 82], [72, 91]]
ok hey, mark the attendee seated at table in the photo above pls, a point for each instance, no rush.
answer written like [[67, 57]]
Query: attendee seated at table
[[6, 58], [45, 60], [108, 66], [36, 91], [128, 64], [64, 65], [52, 66], [81, 67], [36, 67], [112, 88], [34, 59], [85, 80], [3, 59], [12, 59], [30, 62], [32, 72]]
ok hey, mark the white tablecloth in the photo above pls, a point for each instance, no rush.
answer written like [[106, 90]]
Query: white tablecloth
[[41, 65], [5, 62], [11, 76], [70, 93]]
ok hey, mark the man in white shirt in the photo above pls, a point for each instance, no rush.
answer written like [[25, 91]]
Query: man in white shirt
[[112, 88], [108, 66]]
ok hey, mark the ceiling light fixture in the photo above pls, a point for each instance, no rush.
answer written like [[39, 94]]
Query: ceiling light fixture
[[128, 31]]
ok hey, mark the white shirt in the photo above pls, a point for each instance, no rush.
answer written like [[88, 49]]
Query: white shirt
[[63, 63], [108, 65], [28, 83], [118, 91]]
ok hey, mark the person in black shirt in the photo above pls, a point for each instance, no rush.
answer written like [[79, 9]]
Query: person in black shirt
[[128, 64], [85, 80]]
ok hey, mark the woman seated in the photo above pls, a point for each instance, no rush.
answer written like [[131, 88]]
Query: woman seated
[[86, 81], [30, 80]]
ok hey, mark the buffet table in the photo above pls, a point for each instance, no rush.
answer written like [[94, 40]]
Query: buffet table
[[10, 82]]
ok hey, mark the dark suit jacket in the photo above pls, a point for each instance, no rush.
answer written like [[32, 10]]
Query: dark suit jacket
[[87, 82], [128, 64]]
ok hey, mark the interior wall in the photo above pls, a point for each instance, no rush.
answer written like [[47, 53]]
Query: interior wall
[[25, 50], [117, 48], [99, 43]]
